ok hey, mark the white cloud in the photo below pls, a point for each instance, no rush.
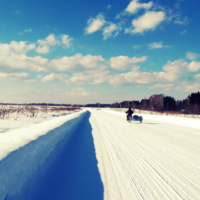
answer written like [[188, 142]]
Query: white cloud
[[13, 56], [19, 12], [133, 77], [54, 77], [183, 32], [16, 47], [43, 49], [148, 21], [80, 78], [134, 6], [194, 66], [165, 87], [138, 77], [137, 46], [44, 44], [25, 31], [50, 40], [197, 76], [99, 77], [65, 63], [94, 24], [180, 21], [66, 40], [91, 62], [108, 7], [28, 30], [192, 56], [98, 23], [187, 87], [78, 92], [108, 31], [174, 69], [122, 62], [76, 62], [192, 88], [39, 76], [117, 80], [177, 17], [178, 3], [92, 77], [14, 76], [157, 45], [171, 72], [9, 58]]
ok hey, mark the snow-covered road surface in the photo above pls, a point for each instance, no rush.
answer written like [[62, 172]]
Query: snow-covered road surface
[[152, 160]]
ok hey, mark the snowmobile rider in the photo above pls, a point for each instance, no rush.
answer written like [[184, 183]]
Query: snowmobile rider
[[129, 113]]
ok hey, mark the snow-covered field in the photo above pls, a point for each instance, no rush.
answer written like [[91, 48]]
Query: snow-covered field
[[97, 154]]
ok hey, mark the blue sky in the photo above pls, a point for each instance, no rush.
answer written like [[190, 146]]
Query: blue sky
[[98, 51]]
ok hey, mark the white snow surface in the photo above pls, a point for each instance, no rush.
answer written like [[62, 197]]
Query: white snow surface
[[152, 160], [156, 159], [40, 140], [26, 131]]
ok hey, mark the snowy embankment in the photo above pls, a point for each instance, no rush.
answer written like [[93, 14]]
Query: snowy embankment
[[153, 160], [41, 161]]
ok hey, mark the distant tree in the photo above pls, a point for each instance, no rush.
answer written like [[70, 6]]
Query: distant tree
[[169, 104], [145, 104], [194, 98], [115, 105], [193, 103], [135, 104], [157, 102], [124, 104]]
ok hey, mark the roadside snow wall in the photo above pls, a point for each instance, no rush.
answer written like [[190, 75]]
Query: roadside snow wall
[[23, 151]]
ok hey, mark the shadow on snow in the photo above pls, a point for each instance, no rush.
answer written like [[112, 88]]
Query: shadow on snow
[[69, 172]]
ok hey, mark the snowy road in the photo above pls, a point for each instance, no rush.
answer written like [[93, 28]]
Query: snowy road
[[152, 160]]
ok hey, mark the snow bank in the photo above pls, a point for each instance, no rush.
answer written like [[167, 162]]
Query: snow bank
[[24, 150], [22, 121]]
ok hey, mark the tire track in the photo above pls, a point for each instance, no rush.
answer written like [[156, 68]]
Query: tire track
[[141, 161]]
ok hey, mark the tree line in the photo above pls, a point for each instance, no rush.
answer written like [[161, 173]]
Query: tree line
[[156, 102], [160, 103]]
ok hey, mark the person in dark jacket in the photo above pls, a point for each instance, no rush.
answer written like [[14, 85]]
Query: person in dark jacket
[[129, 113]]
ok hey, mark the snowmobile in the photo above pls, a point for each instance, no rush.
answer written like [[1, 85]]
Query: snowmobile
[[136, 118]]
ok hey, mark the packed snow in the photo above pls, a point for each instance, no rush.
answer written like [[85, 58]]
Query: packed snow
[[152, 160], [97, 154]]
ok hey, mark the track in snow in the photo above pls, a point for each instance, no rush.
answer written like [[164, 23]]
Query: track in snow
[[152, 160]]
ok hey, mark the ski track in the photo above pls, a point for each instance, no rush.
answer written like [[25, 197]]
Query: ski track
[[152, 160]]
